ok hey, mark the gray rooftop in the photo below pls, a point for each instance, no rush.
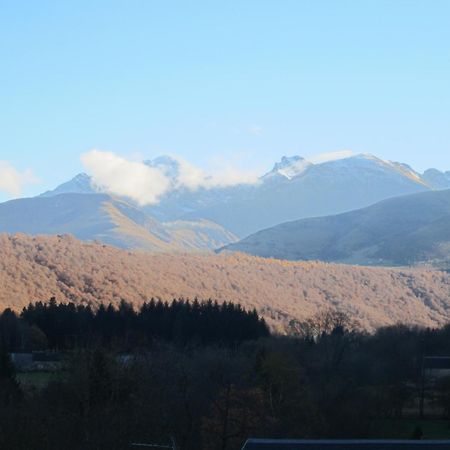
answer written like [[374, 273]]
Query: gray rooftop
[[273, 444], [436, 362]]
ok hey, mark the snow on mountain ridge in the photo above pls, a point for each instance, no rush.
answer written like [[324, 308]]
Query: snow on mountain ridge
[[294, 166], [290, 166]]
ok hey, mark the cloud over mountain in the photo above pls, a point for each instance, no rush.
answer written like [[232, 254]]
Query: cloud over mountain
[[226, 175], [147, 182], [116, 175]]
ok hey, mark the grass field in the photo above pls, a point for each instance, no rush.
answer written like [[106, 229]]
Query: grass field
[[37, 380]]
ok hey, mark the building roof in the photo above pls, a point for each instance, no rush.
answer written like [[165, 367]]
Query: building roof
[[436, 362], [273, 444]]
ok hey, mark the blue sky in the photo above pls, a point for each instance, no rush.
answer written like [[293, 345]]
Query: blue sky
[[238, 80]]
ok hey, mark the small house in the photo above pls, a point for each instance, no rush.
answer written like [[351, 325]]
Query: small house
[[274, 444]]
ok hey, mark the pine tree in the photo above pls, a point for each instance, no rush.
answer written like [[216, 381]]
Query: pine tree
[[9, 386]]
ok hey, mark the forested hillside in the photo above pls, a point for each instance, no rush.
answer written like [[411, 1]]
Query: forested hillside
[[40, 268]]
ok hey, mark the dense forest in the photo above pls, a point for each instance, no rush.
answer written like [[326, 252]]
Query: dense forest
[[67, 326], [187, 376], [37, 268]]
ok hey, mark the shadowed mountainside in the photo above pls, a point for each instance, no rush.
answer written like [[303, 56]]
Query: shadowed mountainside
[[401, 231], [41, 267]]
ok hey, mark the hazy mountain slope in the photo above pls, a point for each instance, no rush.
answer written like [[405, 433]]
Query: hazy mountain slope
[[437, 179], [398, 231], [37, 268], [110, 220], [80, 184], [197, 235], [320, 190], [293, 189]]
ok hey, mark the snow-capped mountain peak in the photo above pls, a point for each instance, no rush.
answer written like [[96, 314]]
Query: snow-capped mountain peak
[[80, 184], [290, 167]]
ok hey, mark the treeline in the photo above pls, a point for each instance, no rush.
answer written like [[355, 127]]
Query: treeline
[[329, 379], [63, 326]]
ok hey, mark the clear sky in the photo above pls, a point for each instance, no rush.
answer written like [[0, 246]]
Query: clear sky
[[240, 80]]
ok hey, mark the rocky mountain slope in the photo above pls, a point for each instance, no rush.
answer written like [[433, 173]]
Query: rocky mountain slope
[[109, 220], [314, 190], [405, 230], [38, 268], [294, 189]]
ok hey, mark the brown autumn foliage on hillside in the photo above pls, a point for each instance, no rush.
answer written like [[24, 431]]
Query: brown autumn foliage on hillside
[[37, 268]]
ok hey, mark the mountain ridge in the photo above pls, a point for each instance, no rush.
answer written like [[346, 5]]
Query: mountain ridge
[[108, 219], [404, 230], [294, 189]]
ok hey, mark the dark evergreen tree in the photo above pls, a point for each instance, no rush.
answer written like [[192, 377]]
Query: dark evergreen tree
[[9, 386]]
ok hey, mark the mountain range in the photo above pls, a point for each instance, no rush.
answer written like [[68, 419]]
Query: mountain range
[[114, 221], [296, 189], [406, 230], [210, 218]]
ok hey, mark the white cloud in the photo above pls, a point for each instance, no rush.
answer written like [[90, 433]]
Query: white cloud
[[332, 156], [116, 175], [12, 181], [189, 176], [226, 175], [146, 184]]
